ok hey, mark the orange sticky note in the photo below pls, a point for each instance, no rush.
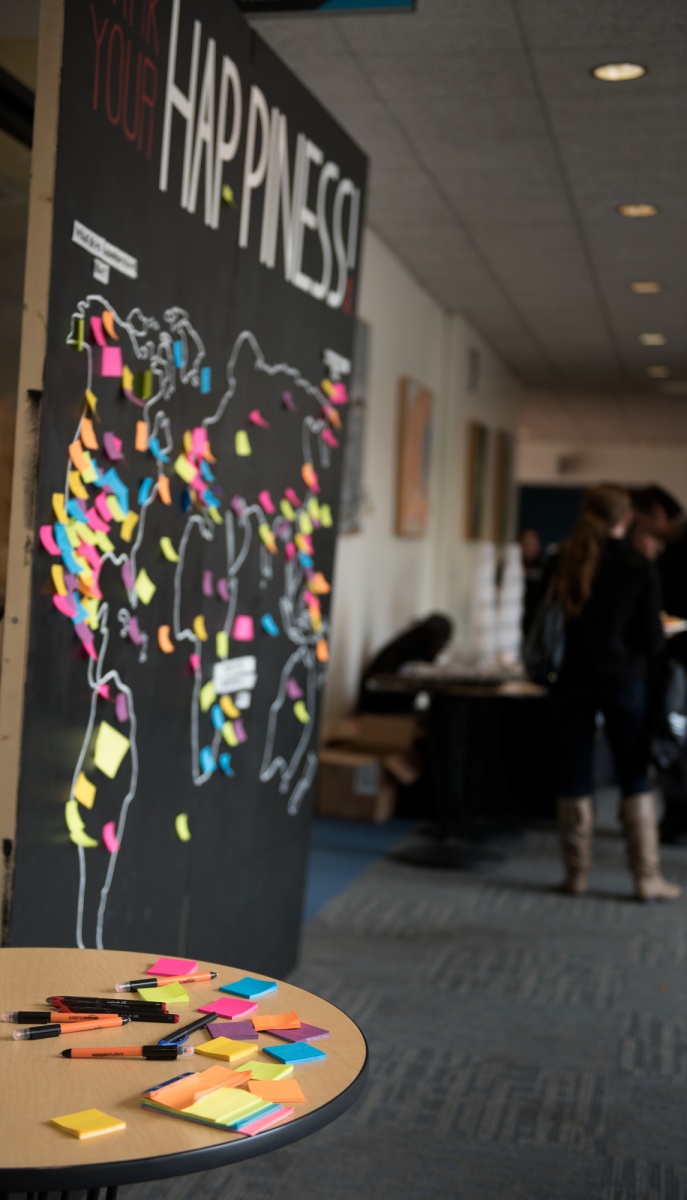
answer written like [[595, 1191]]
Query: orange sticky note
[[87, 433], [289, 1020], [78, 457], [184, 1092], [277, 1091], [164, 641], [141, 442], [322, 651], [108, 323], [163, 489]]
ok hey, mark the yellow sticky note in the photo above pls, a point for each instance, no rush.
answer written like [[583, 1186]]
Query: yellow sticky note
[[301, 713], [287, 510], [199, 628], [222, 644], [104, 543], [90, 1122], [228, 1049], [227, 194], [57, 572], [265, 1070], [128, 525], [313, 507], [187, 441], [229, 734], [110, 748], [89, 475], [115, 508], [242, 444], [185, 469], [229, 708], [91, 400], [171, 993], [76, 486], [84, 791], [127, 378], [305, 524], [267, 537], [168, 550], [145, 588], [216, 516], [72, 534], [325, 516], [224, 1105], [181, 825], [207, 696], [58, 507]]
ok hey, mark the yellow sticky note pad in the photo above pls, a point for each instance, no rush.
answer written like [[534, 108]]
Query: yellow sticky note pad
[[57, 572], [221, 644], [115, 508], [229, 708], [227, 1104], [264, 1070], [128, 525], [184, 469], [287, 510], [216, 516], [58, 507], [145, 588], [228, 1049], [229, 734], [181, 826], [326, 516], [91, 1122], [110, 748], [168, 550], [127, 378], [91, 400], [76, 486], [242, 443], [172, 993], [84, 791], [305, 524], [207, 696], [199, 628]]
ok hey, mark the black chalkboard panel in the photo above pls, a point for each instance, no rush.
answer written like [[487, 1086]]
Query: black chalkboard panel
[[205, 257]]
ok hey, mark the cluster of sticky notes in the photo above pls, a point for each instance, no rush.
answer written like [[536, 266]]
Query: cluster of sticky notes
[[217, 1097], [193, 467]]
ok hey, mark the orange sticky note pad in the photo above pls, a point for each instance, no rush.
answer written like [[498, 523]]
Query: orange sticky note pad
[[289, 1020], [164, 641], [87, 432], [277, 1091], [184, 1092], [141, 442], [163, 489], [78, 457]]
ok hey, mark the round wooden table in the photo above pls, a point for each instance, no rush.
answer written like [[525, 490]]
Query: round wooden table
[[38, 1084]]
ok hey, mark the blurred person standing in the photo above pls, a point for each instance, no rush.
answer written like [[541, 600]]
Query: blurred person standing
[[610, 598], [533, 571]]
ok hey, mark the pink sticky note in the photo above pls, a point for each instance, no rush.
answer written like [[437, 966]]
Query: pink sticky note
[[239, 730], [101, 506], [223, 590], [290, 550], [64, 604], [278, 1114], [113, 446], [47, 540], [293, 691], [91, 555], [328, 437], [97, 331], [194, 660], [96, 522], [228, 1006], [257, 418], [266, 501], [104, 691], [121, 707], [85, 636], [134, 631], [243, 630], [173, 966], [207, 587], [127, 576], [110, 837], [339, 394], [111, 361], [199, 441], [291, 495], [238, 506]]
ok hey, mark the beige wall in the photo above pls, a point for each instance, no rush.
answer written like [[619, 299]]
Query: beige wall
[[630, 463]]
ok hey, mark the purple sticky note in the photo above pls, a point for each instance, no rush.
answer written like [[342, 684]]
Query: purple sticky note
[[306, 1033], [207, 588], [239, 730], [293, 691], [228, 1006], [111, 361], [113, 446], [127, 575], [134, 631], [287, 401], [238, 506], [223, 590], [241, 1031], [84, 634], [121, 707]]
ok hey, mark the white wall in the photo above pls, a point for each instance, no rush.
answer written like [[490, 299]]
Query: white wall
[[633, 464], [383, 581]]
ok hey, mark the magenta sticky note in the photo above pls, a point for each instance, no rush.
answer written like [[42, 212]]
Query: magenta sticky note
[[65, 605], [173, 966], [290, 550], [97, 331], [306, 1033], [293, 691], [127, 579], [292, 497], [260, 1123], [328, 437], [199, 440], [339, 394], [207, 587], [110, 837], [134, 631], [241, 1031], [228, 1006], [266, 501], [256, 418], [101, 506], [194, 661], [223, 590], [244, 630], [96, 522], [111, 361], [48, 542], [121, 707], [113, 446]]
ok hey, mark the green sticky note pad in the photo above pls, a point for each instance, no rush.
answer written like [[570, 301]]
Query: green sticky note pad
[[173, 993], [265, 1071]]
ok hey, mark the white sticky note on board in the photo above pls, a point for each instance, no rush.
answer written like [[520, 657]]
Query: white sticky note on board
[[235, 674]]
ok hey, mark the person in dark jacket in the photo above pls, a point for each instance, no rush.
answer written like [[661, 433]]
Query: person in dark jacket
[[611, 600], [420, 642]]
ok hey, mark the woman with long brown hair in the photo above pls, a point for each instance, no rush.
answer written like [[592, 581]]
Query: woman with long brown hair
[[610, 597]]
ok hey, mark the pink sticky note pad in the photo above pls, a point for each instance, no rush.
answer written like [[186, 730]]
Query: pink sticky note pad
[[227, 1006], [256, 418], [292, 497], [47, 540], [111, 361], [339, 394], [135, 631], [110, 837], [266, 501], [113, 446], [64, 604], [97, 331], [240, 1031], [328, 437], [194, 661], [173, 966], [244, 630], [290, 550], [266, 1122], [121, 707], [199, 440], [306, 1033], [223, 590]]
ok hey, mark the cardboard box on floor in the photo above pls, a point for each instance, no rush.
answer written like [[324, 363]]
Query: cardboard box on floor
[[362, 763]]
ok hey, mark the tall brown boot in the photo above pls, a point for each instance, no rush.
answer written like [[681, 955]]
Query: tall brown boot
[[576, 828], [641, 834]]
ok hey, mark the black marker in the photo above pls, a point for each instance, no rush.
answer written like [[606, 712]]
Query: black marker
[[180, 1035]]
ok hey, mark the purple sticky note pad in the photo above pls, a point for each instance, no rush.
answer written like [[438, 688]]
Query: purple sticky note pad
[[227, 1006], [306, 1033], [287, 401], [122, 707], [113, 446], [241, 1031], [134, 631], [293, 691], [111, 361], [127, 575], [207, 588], [223, 590]]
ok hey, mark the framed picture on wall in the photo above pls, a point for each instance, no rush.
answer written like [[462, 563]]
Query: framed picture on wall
[[414, 459], [504, 454], [476, 480], [352, 486]]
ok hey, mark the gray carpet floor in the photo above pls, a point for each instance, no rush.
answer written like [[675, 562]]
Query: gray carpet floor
[[523, 1043]]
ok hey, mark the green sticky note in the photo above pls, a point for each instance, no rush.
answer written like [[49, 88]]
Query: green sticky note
[[222, 644], [110, 748], [185, 469], [242, 444], [182, 829], [229, 734], [326, 516], [301, 713], [145, 588], [305, 524], [287, 510], [265, 1071], [224, 1105], [207, 696], [168, 550], [173, 993]]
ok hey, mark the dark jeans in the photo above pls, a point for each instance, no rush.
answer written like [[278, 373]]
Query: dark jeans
[[624, 706]]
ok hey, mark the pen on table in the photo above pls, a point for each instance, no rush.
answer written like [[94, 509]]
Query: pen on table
[[158, 1052], [180, 1035], [49, 1018], [43, 1031], [111, 1001], [161, 980], [135, 1014]]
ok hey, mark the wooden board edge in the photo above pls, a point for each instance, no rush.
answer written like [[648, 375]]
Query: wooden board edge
[[30, 387]]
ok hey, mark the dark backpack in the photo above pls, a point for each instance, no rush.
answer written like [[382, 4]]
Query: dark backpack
[[544, 647]]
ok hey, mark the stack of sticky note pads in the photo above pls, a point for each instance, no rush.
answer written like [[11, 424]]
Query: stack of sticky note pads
[[217, 1097]]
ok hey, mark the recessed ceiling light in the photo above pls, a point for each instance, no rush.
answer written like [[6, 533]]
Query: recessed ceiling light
[[637, 210], [657, 372], [653, 339], [645, 287], [619, 72]]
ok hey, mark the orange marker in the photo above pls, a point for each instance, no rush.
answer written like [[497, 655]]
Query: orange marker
[[160, 980], [157, 1052], [63, 1018], [56, 1028]]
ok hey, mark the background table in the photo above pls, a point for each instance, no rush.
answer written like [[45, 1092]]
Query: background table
[[38, 1084]]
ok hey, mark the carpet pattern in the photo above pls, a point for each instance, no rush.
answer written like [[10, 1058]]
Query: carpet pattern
[[524, 1044]]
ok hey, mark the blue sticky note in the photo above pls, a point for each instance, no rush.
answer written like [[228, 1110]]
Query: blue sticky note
[[265, 1111], [270, 625], [119, 488], [218, 717], [249, 988], [81, 614], [210, 499], [145, 490], [225, 764], [156, 450], [300, 1053], [305, 560], [65, 550], [206, 472], [207, 760], [184, 501], [178, 354], [205, 380]]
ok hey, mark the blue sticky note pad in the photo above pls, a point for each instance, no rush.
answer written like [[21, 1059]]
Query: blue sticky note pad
[[300, 1053], [205, 380], [145, 490], [249, 988], [206, 472], [178, 354], [218, 717], [225, 764], [305, 560], [65, 549], [270, 625], [207, 760], [265, 1111]]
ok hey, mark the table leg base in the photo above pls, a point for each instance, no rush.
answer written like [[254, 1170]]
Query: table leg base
[[449, 854]]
